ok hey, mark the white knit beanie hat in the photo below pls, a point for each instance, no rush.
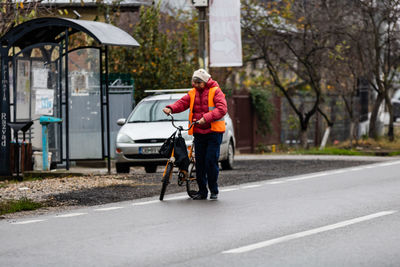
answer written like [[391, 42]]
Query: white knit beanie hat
[[201, 74]]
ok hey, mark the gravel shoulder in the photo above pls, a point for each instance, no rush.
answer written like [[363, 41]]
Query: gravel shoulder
[[59, 194]]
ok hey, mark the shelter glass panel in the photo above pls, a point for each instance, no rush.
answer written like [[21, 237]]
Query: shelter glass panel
[[84, 104], [37, 93]]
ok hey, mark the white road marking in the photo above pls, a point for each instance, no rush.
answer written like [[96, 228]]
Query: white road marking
[[177, 197], [370, 167], [70, 215], [27, 222], [314, 231], [338, 172], [107, 209], [145, 203], [360, 168], [388, 163], [308, 177], [276, 182], [250, 186], [228, 189]]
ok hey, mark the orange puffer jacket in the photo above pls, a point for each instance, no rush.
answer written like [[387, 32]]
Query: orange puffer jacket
[[200, 107]]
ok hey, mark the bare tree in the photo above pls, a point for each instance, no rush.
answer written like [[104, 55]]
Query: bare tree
[[343, 67], [293, 38], [378, 50]]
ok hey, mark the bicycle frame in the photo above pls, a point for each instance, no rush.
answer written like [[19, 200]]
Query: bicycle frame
[[183, 176], [180, 129]]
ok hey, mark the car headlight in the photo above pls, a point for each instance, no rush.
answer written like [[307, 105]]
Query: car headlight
[[123, 138]]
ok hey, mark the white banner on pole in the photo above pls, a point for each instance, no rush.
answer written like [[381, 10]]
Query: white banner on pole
[[225, 34]]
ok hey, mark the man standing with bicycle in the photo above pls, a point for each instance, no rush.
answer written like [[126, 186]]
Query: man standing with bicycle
[[208, 107]]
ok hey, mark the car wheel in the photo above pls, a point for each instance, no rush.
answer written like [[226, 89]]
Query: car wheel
[[122, 167], [228, 163], [152, 168]]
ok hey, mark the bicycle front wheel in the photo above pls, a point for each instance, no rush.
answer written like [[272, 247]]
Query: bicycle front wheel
[[165, 180], [191, 183]]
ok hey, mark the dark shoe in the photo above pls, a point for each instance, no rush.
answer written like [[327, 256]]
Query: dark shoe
[[214, 196], [199, 197]]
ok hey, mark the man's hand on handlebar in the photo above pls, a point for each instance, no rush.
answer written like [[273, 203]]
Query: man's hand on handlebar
[[167, 111]]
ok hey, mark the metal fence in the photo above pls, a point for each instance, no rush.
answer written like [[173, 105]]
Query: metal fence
[[122, 102], [333, 107]]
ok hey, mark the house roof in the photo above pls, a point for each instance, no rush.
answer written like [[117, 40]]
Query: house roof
[[50, 30]]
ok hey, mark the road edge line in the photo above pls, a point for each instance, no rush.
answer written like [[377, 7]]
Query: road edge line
[[318, 230]]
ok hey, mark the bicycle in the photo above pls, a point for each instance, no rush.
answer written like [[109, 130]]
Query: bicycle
[[184, 177]]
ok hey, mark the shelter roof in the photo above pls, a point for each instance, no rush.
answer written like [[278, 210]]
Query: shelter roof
[[50, 30]]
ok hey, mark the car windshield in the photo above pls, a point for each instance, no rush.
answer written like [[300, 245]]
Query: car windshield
[[151, 111]]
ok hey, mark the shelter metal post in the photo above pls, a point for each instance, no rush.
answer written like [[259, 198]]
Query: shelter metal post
[[60, 103], [102, 97], [5, 132], [14, 65], [108, 113], [66, 103]]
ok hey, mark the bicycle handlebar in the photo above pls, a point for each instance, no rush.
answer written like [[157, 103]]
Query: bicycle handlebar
[[180, 127]]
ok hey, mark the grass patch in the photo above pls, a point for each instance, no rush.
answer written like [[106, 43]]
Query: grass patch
[[396, 153], [331, 151], [362, 147], [11, 206], [381, 143]]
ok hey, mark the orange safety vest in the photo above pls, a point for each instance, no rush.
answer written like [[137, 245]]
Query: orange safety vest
[[216, 126]]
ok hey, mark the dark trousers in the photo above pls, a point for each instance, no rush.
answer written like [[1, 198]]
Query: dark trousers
[[207, 148]]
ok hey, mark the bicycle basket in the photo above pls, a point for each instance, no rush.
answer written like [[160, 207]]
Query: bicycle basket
[[167, 146]]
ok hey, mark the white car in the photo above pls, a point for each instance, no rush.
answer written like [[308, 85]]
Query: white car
[[147, 127]]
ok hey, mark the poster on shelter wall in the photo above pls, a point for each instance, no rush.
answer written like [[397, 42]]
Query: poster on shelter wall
[[40, 77], [23, 83], [44, 102], [79, 83]]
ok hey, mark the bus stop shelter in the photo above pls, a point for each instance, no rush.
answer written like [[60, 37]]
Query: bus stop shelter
[[42, 73]]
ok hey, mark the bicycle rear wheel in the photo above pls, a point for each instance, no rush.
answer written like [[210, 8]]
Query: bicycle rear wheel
[[191, 183], [166, 177]]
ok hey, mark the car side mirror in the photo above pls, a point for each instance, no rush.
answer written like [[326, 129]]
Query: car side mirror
[[121, 122]]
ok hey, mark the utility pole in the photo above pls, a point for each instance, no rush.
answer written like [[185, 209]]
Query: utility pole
[[202, 37], [202, 5]]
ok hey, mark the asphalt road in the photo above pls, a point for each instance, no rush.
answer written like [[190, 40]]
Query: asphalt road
[[346, 217]]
